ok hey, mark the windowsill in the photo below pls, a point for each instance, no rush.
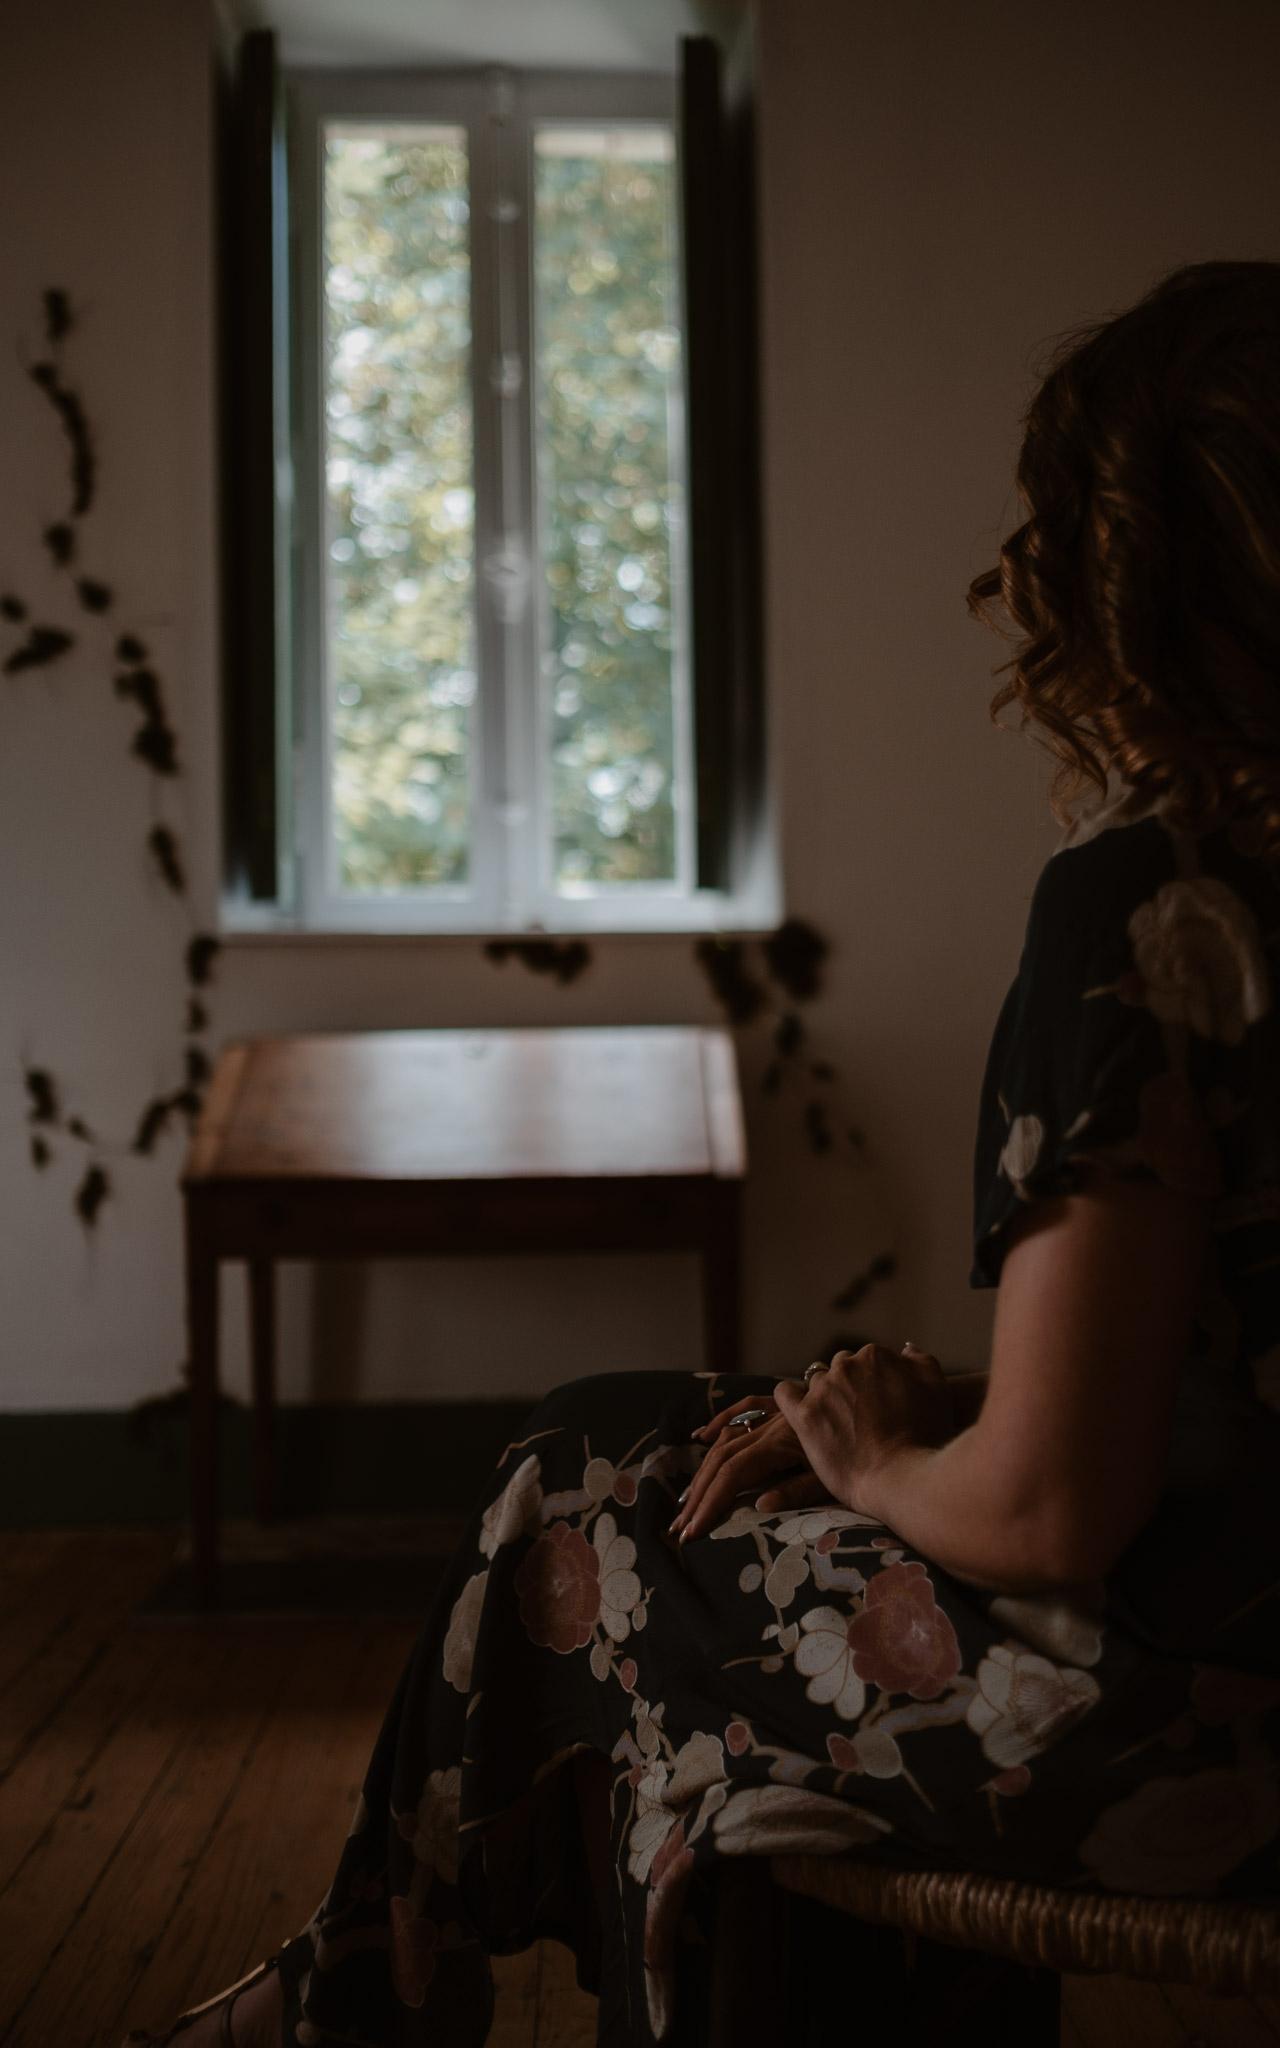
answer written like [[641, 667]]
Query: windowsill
[[586, 917]]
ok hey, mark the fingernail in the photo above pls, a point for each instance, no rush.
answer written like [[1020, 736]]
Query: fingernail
[[673, 1526], [685, 1495], [698, 1431]]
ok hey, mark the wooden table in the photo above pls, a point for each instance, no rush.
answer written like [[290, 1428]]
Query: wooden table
[[397, 1144]]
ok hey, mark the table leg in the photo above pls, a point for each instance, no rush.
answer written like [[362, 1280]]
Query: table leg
[[262, 1340], [202, 1341], [721, 1281]]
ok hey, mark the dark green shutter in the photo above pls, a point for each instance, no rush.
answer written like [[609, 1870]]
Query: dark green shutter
[[255, 455], [717, 175]]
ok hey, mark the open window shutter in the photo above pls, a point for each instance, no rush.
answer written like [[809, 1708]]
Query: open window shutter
[[255, 465], [720, 327]]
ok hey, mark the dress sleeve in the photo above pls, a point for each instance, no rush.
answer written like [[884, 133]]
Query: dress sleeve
[[1083, 1072]]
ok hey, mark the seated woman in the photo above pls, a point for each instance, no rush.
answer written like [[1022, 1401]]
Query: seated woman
[[1034, 1634]]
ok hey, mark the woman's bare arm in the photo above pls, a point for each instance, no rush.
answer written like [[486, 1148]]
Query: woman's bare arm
[[1065, 1459]]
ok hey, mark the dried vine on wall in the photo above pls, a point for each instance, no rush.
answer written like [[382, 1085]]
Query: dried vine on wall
[[153, 743], [766, 982]]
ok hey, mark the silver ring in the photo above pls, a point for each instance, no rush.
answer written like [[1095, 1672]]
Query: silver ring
[[749, 1418], [810, 1370]]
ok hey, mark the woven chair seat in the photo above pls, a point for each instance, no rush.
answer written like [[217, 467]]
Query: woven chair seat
[[1228, 1949]]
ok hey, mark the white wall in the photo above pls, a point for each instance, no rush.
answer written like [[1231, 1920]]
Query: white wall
[[944, 187]]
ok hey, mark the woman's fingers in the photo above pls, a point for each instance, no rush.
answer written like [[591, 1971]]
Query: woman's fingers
[[728, 1449], [789, 1398], [805, 1490], [729, 1469]]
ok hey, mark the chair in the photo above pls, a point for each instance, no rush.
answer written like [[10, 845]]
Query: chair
[[1222, 1947]]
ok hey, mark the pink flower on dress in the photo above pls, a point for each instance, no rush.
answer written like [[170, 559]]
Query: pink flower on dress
[[628, 1672], [1009, 1784], [559, 1588], [902, 1641], [413, 1942], [737, 1738], [843, 1754]]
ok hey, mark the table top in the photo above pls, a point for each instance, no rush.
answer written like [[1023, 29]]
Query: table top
[[594, 1102]]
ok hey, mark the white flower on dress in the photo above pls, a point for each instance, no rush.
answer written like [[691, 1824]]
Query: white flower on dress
[[1197, 949], [464, 1624], [1024, 1703], [517, 1505], [1183, 1834], [788, 1572], [653, 1822], [786, 1820], [878, 1753], [824, 1657], [620, 1589], [814, 1522], [666, 1792], [1021, 1150], [1066, 1631], [433, 1828], [740, 1523]]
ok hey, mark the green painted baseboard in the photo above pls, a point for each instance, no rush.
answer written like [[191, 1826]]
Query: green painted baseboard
[[113, 1468]]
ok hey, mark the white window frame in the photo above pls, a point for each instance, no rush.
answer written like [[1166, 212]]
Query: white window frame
[[510, 886]]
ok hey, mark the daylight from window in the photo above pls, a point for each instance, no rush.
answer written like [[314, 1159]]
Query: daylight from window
[[607, 349], [400, 503]]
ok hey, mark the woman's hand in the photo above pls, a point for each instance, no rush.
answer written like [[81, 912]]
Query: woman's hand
[[867, 1408], [740, 1459]]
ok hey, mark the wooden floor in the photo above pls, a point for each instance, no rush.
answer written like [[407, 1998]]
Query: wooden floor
[[173, 1798]]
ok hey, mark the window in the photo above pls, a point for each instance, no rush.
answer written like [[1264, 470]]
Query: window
[[490, 621]]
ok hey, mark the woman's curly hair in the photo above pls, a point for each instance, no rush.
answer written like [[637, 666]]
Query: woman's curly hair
[[1145, 582]]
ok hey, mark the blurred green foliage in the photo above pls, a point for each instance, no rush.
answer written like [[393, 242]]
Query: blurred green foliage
[[401, 508], [608, 366]]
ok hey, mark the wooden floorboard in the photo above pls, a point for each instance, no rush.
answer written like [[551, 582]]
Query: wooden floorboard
[[1116, 2012], [1217, 2022], [89, 1982], [52, 1757], [173, 1800], [52, 1888], [65, 1612], [251, 1849], [566, 2016]]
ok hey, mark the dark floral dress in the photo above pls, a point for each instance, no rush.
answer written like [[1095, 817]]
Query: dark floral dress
[[802, 1681]]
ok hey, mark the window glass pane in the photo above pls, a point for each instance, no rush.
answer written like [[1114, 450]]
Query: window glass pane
[[607, 349], [400, 502]]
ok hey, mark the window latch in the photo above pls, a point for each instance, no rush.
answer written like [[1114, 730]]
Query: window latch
[[507, 574]]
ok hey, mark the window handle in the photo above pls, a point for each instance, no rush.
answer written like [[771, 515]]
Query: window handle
[[507, 573], [507, 375]]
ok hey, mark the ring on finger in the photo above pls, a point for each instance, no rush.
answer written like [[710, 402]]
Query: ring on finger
[[810, 1370], [750, 1419]]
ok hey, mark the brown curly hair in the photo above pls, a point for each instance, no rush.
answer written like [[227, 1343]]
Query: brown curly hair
[[1144, 585]]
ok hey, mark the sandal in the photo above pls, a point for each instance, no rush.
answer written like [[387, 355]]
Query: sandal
[[224, 1999]]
